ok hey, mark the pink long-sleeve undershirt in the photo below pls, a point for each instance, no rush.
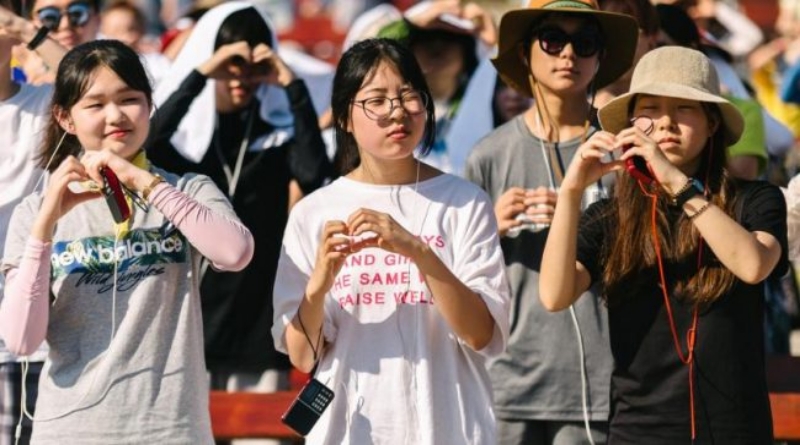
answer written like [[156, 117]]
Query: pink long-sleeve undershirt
[[25, 310]]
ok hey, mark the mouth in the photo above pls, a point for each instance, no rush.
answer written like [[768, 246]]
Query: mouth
[[399, 133], [668, 141], [118, 134], [240, 91]]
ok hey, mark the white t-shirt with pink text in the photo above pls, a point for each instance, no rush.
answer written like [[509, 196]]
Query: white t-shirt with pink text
[[398, 371]]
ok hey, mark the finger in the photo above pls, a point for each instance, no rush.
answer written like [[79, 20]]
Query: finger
[[361, 215], [338, 243], [507, 213], [511, 196], [78, 198], [536, 200], [333, 227]]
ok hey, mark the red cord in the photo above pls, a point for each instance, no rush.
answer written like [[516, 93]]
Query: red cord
[[691, 333]]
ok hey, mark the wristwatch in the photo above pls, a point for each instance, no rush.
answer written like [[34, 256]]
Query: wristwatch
[[692, 188], [157, 179]]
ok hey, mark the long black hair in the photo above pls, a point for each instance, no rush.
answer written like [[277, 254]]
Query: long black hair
[[74, 77], [356, 65]]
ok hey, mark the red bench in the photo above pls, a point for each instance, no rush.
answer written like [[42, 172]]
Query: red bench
[[243, 415]]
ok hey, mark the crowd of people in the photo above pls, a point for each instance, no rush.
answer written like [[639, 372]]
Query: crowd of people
[[556, 222]]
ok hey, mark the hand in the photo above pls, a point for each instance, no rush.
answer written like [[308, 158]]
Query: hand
[[227, 61], [428, 17], [485, 28], [130, 175], [59, 199], [510, 204], [704, 9], [268, 67], [15, 27], [640, 144], [376, 229], [540, 204], [334, 247], [589, 165]]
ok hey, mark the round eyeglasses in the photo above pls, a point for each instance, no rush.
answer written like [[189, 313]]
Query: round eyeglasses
[[78, 14], [381, 107]]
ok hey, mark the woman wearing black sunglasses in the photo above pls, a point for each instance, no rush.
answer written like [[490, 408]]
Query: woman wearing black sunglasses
[[70, 23], [551, 384]]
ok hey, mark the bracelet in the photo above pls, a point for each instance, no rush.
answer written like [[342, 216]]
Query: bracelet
[[700, 210], [37, 39], [157, 179], [682, 189]]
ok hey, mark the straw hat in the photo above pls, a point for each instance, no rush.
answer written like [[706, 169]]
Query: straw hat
[[674, 71], [621, 33]]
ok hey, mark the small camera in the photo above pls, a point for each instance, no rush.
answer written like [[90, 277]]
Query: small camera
[[308, 407], [637, 168]]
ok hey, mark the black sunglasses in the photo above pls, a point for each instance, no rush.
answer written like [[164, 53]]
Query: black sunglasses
[[585, 43], [78, 14]]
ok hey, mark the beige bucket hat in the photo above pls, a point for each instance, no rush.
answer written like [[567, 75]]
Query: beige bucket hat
[[621, 33], [674, 71]]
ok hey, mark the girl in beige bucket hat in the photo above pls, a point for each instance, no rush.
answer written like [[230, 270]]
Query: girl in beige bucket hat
[[680, 259]]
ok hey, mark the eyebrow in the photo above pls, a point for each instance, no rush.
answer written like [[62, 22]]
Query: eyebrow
[[386, 90], [101, 95]]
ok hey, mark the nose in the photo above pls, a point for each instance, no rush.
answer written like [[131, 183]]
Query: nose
[[568, 51], [63, 22], [114, 114], [398, 106], [665, 121]]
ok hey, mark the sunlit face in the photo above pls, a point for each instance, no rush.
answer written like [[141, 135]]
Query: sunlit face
[[120, 24], [394, 137], [441, 61], [68, 35], [565, 71], [235, 91], [681, 128], [110, 115]]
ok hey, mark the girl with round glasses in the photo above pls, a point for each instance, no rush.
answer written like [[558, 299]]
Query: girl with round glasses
[[391, 281], [551, 385]]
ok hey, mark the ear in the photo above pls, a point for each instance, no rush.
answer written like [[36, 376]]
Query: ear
[[521, 53], [713, 126], [64, 120]]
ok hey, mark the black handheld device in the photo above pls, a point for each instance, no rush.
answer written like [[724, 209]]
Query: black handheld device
[[307, 408]]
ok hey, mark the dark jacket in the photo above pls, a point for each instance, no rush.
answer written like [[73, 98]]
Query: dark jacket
[[237, 306]]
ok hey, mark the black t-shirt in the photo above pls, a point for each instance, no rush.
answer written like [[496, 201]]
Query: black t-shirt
[[650, 385]]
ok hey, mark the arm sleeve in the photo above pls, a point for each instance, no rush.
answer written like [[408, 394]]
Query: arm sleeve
[[226, 242], [25, 310], [165, 121], [308, 159], [480, 265], [295, 265], [764, 210]]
